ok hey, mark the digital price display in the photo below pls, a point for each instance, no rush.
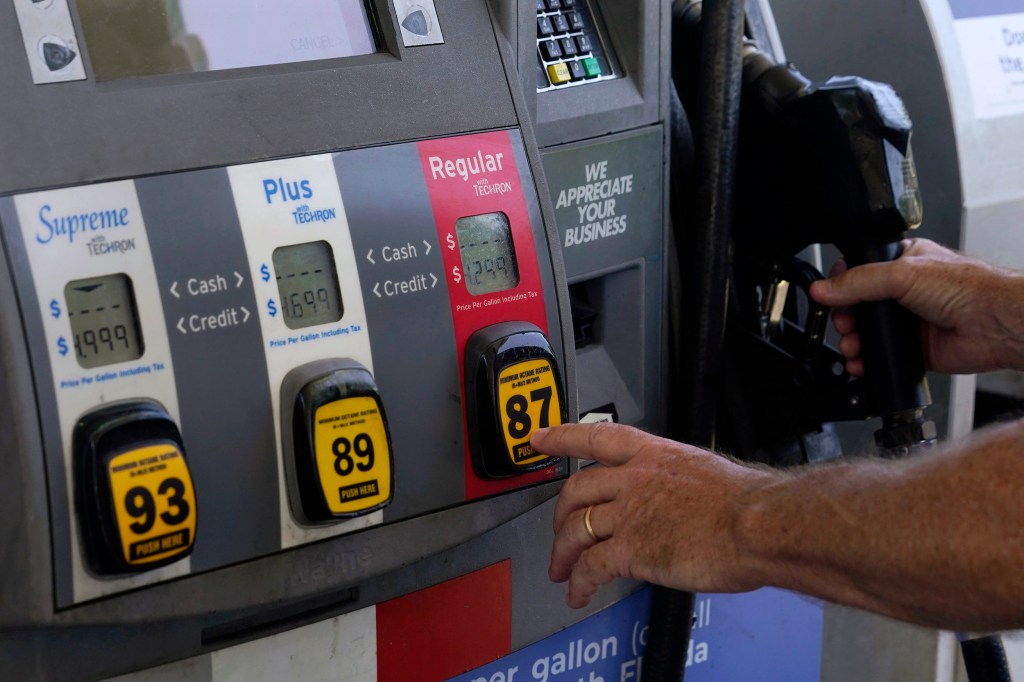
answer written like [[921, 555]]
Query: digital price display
[[488, 254], [104, 321], [307, 282]]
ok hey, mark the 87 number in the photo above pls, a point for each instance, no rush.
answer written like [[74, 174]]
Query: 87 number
[[519, 423]]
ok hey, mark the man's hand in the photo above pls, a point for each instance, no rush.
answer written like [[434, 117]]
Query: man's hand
[[973, 312], [663, 512]]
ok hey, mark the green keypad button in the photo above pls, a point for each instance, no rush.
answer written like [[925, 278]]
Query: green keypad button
[[591, 67]]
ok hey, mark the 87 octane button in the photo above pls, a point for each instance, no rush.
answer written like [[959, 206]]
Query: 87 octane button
[[341, 463]]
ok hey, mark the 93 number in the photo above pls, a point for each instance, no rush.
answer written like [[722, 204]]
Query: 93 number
[[519, 423], [361, 446], [139, 504]]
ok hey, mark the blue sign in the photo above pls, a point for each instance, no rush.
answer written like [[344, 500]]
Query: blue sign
[[766, 635], [967, 9]]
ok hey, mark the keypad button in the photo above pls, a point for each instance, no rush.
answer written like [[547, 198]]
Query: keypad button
[[554, 5], [559, 73], [583, 44], [568, 4], [592, 67], [560, 23], [542, 6], [544, 27], [551, 50], [568, 47], [577, 71], [575, 21]]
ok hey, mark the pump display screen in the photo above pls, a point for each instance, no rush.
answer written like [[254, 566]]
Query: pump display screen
[[104, 323], [488, 255], [307, 282], [146, 37]]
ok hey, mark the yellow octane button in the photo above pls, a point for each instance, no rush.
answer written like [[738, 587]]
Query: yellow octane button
[[154, 502], [528, 400], [353, 459], [559, 73]]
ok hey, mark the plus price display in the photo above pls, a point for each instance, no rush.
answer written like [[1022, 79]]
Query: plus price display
[[104, 321], [488, 254], [307, 282]]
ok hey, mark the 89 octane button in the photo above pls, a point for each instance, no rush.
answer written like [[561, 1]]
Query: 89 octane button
[[352, 455], [154, 504]]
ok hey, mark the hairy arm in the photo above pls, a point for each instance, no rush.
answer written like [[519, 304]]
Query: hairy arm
[[937, 539]]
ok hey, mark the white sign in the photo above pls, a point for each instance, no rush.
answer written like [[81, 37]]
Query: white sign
[[993, 50]]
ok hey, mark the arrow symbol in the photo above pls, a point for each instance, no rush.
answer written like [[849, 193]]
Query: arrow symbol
[[240, 279], [181, 326], [434, 283], [174, 290], [428, 247], [369, 256], [246, 311], [376, 288]]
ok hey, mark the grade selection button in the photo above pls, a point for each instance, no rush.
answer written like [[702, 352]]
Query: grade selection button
[[338, 445], [135, 498], [513, 388]]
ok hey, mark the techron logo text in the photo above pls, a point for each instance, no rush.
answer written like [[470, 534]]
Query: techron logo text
[[62, 227], [466, 166]]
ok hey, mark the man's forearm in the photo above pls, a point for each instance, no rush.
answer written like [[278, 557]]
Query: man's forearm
[[937, 539]]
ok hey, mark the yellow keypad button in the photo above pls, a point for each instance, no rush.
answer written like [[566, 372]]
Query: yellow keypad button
[[559, 73]]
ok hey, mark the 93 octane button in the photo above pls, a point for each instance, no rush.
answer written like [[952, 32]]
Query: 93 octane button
[[353, 458], [154, 503]]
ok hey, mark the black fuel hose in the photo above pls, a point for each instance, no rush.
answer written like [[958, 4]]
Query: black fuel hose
[[985, 659], [704, 237]]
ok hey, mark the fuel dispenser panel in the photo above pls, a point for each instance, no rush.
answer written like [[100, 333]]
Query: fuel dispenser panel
[[214, 340]]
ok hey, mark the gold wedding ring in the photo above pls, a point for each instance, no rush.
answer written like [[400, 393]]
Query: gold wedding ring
[[590, 528]]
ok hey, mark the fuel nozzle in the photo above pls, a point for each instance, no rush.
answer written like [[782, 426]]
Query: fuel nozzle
[[833, 164]]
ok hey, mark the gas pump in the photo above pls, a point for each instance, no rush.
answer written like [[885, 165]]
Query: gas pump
[[287, 287]]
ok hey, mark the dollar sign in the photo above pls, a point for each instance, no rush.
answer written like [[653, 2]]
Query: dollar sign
[[271, 308], [451, 242], [457, 273], [55, 308], [265, 271], [62, 345]]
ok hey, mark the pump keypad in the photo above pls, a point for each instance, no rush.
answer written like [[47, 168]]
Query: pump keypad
[[135, 496], [569, 48]]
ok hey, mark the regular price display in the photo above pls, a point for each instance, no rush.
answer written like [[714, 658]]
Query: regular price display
[[528, 400], [154, 503], [353, 457]]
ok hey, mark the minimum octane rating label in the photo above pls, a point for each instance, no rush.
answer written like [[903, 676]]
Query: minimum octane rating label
[[352, 455], [154, 501], [528, 400]]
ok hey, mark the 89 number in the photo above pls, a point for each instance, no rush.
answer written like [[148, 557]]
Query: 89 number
[[361, 446], [519, 423]]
